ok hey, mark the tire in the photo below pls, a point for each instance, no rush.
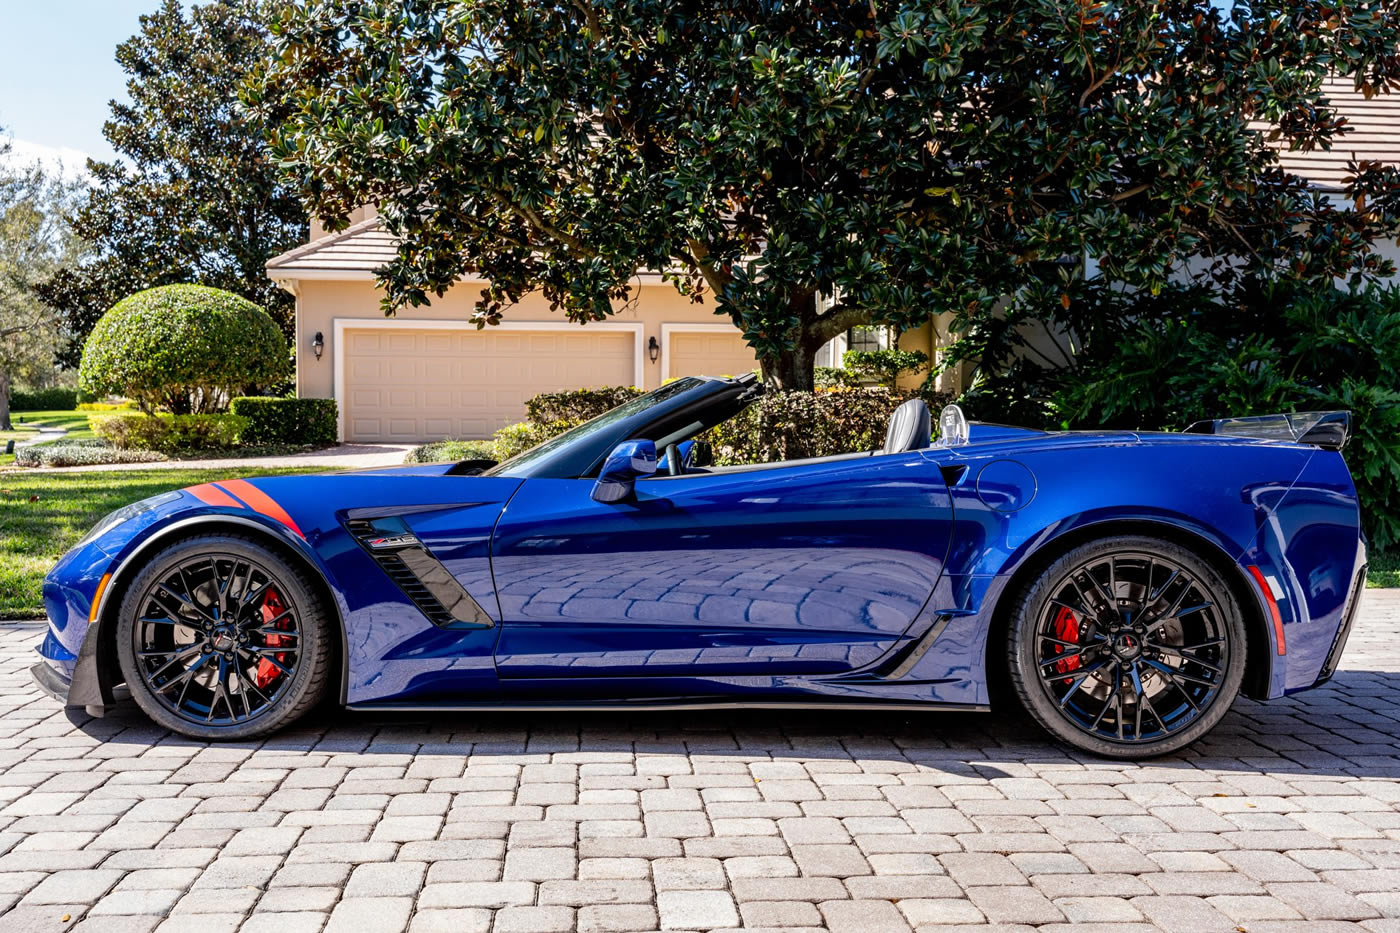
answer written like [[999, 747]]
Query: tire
[[220, 638], [1127, 647]]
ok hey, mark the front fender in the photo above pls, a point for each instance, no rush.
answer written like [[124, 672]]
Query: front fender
[[84, 589]]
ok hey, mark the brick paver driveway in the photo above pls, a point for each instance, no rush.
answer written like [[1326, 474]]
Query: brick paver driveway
[[1287, 818]]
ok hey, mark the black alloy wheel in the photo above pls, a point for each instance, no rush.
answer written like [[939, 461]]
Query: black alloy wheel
[[1127, 647], [221, 638]]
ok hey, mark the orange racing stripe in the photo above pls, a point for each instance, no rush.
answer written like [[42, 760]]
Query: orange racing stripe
[[210, 494], [259, 501]]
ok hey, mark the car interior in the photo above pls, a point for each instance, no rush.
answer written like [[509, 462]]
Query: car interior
[[909, 429]]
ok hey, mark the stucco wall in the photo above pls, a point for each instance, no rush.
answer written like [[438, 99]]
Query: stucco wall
[[320, 303]]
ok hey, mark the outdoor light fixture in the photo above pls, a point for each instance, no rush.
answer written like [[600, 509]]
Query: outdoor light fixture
[[318, 344], [653, 349]]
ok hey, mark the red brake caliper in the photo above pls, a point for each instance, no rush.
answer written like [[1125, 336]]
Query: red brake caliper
[[272, 607], [1066, 629]]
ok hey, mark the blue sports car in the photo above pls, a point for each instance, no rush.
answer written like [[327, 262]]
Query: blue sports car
[[1122, 587]]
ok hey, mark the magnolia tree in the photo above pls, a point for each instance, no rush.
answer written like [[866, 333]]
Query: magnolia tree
[[898, 159]]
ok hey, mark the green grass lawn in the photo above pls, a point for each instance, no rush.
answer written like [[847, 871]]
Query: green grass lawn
[[27, 423], [26, 426], [42, 515]]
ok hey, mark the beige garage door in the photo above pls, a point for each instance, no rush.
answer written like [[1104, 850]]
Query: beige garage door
[[709, 353], [405, 385]]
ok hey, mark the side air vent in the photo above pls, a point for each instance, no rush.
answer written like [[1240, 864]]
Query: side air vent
[[421, 576]]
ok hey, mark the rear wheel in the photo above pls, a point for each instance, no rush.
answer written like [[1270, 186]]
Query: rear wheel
[[220, 638], [1127, 647]]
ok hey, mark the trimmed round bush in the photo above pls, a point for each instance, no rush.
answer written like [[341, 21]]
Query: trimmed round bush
[[185, 349]]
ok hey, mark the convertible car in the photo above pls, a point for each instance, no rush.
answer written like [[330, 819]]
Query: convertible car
[[1122, 587]]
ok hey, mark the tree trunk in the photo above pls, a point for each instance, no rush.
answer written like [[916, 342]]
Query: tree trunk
[[5, 424], [792, 370]]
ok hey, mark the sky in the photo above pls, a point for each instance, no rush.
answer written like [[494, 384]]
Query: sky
[[57, 73]]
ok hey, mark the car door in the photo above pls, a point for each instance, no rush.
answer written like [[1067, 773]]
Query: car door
[[800, 568]]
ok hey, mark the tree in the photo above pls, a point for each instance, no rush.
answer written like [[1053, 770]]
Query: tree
[[187, 349], [193, 197], [34, 241], [897, 158]]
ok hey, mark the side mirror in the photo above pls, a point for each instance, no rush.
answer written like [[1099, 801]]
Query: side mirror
[[628, 460]]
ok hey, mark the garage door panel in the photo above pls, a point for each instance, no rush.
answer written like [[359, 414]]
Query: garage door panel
[[411, 385], [710, 353]]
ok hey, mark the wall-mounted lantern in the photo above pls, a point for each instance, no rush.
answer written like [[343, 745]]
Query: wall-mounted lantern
[[653, 349], [318, 344]]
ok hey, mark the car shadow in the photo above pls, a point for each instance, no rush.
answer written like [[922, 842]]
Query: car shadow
[[1349, 728]]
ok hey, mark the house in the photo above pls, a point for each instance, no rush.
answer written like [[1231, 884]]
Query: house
[[429, 373]]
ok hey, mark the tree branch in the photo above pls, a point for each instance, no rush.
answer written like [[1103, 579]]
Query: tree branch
[[838, 320], [532, 217], [700, 253]]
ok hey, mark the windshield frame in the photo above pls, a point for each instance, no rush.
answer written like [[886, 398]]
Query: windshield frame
[[579, 451]]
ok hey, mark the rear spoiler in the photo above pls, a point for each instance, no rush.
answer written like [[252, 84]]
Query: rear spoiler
[[1329, 429]]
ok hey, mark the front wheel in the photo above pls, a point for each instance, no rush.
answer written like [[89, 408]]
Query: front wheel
[[220, 638], [1127, 647]]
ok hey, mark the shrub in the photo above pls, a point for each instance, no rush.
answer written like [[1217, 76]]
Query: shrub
[[168, 433], [1163, 362], [793, 425], [450, 451], [107, 406], [884, 366], [517, 438], [827, 377], [44, 399], [286, 420], [182, 348], [79, 453], [577, 404]]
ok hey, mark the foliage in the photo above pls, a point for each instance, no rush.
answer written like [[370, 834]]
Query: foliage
[[518, 438], [169, 433], [125, 405], [193, 196], [183, 348], [884, 366], [895, 159], [1384, 570], [42, 515], [34, 241], [577, 404], [827, 377], [450, 451], [81, 453], [287, 420], [1164, 361], [793, 425], [54, 399]]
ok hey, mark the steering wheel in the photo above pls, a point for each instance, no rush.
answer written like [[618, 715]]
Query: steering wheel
[[674, 466]]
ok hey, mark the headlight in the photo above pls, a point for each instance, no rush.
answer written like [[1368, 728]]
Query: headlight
[[126, 513]]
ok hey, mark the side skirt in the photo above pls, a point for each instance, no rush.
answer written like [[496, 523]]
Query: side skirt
[[666, 705]]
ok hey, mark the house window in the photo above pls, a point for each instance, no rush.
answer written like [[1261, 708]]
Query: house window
[[868, 338]]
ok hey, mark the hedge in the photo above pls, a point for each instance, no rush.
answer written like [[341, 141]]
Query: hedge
[[518, 438], [794, 425], [168, 433], [287, 420], [44, 400], [577, 404], [451, 451]]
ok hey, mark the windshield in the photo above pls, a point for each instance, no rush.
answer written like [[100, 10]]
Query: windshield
[[602, 423]]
